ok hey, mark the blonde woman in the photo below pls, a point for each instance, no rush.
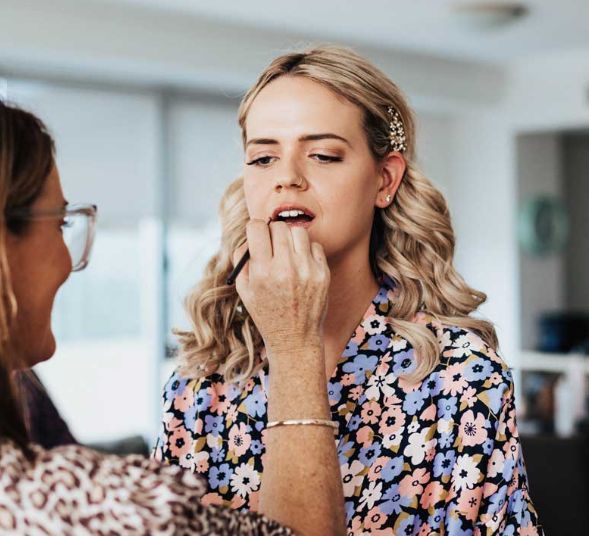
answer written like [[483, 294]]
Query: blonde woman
[[423, 405]]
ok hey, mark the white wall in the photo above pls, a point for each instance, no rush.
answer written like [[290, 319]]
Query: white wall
[[542, 278]]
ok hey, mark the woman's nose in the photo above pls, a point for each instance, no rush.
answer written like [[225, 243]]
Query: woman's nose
[[290, 177]]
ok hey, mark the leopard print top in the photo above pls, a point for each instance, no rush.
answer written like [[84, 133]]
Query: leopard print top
[[76, 491]]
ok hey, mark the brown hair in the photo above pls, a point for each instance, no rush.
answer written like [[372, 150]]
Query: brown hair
[[412, 239], [26, 159]]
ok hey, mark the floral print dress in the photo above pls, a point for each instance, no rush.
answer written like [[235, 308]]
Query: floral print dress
[[438, 457]]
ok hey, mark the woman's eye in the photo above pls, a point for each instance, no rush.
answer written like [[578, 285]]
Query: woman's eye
[[325, 158], [261, 161]]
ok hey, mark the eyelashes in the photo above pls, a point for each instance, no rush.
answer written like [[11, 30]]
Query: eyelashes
[[265, 161]]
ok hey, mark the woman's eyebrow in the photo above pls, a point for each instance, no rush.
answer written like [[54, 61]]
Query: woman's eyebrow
[[306, 137]]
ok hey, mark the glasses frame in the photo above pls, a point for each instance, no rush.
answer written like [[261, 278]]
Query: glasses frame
[[88, 210]]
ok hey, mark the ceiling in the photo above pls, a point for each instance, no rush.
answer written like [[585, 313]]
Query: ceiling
[[424, 26]]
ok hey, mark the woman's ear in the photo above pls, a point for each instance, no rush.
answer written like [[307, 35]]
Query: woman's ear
[[392, 171]]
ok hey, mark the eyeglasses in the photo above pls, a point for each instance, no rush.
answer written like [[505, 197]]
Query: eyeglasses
[[79, 222]]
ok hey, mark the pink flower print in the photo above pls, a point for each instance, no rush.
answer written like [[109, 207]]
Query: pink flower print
[[347, 379], [434, 492], [365, 435], [377, 466], [356, 392], [412, 485], [184, 400], [232, 413], [220, 403], [198, 424], [429, 414], [239, 439], [424, 530], [472, 429], [495, 378], [453, 381], [469, 397], [374, 519], [201, 461], [180, 442], [370, 412], [212, 498], [391, 420], [469, 502]]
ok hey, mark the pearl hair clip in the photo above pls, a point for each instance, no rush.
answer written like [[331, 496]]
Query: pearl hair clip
[[397, 138]]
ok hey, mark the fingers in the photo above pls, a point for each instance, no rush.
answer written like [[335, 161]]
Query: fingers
[[258, 241], [319, 255], [282, 245], [300, 240]]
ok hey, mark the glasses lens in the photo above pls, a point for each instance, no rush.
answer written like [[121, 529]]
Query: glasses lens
[[78, 234]]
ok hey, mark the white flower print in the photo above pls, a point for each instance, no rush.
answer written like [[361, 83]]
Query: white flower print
[[245, 479], [389, 441], [418, 446], [370, 495], [351, 477], [399, 343], [465, 473], [380, 383], [374, 325]]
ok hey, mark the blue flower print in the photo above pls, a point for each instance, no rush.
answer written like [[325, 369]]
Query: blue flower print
[[446, 440], [256, 447], [478, 369], [217, 455], [202, 400], [447, 407], [342, 449], [214, 425], [351, 350], [190, 418], [393, 501], [354, 423], [378, 342], [432, 385], [413, 402], [454, 527], [360, 365], [176, 384], [219, 476], [369, 454], [255, 403], [435, 519], [404, 362], [334, 392], [444, 463], [392, 469]]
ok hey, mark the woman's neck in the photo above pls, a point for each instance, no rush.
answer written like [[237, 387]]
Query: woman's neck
[[351, 290]]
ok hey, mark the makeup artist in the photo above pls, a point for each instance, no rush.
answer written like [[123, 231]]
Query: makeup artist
[[422, 404], [74, 490]]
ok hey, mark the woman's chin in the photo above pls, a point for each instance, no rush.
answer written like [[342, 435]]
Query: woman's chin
[[43, 352]]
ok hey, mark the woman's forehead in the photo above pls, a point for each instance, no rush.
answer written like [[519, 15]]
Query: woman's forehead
[[291, 106]]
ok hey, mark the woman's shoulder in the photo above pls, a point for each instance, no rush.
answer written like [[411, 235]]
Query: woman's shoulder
[[468, 367]]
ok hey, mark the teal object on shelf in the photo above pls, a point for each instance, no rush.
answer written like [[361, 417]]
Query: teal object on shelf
[[543, 226]]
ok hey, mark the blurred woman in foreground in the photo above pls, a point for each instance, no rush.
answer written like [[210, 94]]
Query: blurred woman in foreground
[[74, 490]]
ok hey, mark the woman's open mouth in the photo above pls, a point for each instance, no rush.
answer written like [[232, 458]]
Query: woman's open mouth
[[295, 217]]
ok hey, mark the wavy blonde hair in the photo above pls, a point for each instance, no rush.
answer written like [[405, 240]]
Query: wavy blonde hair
[[412, 239]]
